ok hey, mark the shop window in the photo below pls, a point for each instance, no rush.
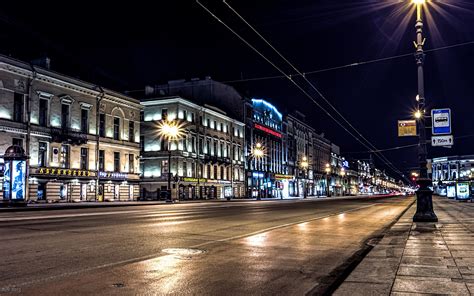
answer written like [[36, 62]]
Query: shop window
[[116, 161], [18, 107]]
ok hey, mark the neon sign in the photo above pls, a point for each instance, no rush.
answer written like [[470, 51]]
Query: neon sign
[[267, 130]]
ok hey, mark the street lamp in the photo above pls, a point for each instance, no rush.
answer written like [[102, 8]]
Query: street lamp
[[171, 131], [343, 173], [328, 170], [304, 165], [258, 152], [424, 208]]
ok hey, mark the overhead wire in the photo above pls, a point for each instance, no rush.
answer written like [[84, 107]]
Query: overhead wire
[[375, 150]]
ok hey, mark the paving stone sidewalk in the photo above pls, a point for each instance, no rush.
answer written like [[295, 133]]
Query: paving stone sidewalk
[[420, 258]]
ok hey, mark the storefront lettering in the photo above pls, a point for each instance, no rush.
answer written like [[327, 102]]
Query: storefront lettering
[[64, 172]]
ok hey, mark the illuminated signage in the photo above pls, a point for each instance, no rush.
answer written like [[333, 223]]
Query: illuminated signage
[[194, 180], [63, 172], [462, 191], [112, 175], [283, 177], [267, 130], [407, 128]]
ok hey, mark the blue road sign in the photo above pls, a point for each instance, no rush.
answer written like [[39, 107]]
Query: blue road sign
[[441, 121]]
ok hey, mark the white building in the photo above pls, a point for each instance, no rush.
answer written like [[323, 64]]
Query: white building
[[207, 162], [77, 135]]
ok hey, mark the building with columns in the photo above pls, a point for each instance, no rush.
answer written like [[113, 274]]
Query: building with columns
[[82, 140], [207, 161]]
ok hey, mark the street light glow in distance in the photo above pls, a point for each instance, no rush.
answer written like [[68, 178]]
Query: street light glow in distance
[[418, 2]]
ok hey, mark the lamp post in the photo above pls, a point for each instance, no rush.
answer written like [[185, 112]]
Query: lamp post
[[258, 152], [424, 206], [171, 131], [304, 165], [328, 170]]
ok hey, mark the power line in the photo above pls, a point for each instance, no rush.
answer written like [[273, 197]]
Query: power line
[[381, 156], [286, 75], [351, 65]]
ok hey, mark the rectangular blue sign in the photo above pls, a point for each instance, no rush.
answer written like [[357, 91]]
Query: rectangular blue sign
[[441, 121]]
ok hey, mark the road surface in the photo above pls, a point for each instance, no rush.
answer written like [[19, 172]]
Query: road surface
[[215, 248]]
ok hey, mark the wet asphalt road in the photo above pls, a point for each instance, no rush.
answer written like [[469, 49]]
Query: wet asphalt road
[[215, 248]]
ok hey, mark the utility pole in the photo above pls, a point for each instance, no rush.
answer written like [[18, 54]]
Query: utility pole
[[424, 209]]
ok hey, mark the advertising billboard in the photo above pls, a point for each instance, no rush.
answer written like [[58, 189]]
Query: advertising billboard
[[407, 128], [451, 191], [6, 181], [18, 180], [463, 191]]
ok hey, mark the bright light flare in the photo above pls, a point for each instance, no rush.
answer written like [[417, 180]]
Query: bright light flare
[[258, 151], [417, 114], [170, 130], [418, 2]]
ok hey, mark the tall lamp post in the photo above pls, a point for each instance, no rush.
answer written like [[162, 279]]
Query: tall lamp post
[[304, 165], [424, 206], [171, 131], [328, 170], [257, 153]]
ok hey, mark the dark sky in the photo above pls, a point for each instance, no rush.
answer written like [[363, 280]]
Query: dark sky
[[126, 46]]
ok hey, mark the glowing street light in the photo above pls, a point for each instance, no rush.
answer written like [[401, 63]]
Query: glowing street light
[[171, 131], [417, 114]]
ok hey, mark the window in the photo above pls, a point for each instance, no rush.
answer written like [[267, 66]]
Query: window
[[17, 142], [131, 163], [43, 112], [215, 172], [116, 161], [215, 125], [193, 144], [142, 115], [192, 117], [193, 168], [222, 127], [84, 158], [101, 160], [222, 150], [102, 125], [42, 154], [65, 116], [208, 175], [65, 156], [201, 120], [131, 131], [185, 115], [200, 146], [164, 114], [215, 149], [185, 169], [142, 143], [84, 120], [208, 123], [18, 107], [208, 145], [222, 173], [116, 128]]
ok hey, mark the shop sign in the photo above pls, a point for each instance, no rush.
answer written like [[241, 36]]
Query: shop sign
[[63, 172], [194, 180], [462, 190], [267, 130], [407, 128], [283, 177], [112, 175]]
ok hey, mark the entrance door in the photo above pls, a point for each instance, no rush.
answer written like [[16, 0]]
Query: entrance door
[[117, 192], [83, 191], [41, 191]]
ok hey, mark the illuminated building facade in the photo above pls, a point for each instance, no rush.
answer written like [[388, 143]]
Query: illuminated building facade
[[207, 161], [76, 135], [453, 176], [267, 176]]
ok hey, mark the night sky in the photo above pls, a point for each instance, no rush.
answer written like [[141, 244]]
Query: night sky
[[127, 46]]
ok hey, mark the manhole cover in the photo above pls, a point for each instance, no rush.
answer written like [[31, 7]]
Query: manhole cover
[[182, 251]]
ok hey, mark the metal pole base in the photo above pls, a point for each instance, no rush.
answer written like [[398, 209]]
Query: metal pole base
[[424, 203]]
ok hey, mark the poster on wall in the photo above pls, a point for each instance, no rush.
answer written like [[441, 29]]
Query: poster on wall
[[18, 180], [6, 181], [451, 191], [463, 191]]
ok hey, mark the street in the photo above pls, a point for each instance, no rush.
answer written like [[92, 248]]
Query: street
[[215, 248]]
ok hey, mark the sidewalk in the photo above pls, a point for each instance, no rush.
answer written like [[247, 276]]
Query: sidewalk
[[421, 258]]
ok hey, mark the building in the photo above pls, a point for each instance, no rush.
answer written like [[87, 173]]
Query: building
[[207, 162], [267, 176], [76, 134], [321, 158], [300, 151], [454, 175]]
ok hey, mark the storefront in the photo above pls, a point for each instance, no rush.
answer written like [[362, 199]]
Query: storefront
[[194, 188], [114, 186]]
